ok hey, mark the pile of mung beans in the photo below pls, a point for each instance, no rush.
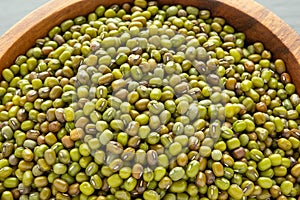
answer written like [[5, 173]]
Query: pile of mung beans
[[140, 101]]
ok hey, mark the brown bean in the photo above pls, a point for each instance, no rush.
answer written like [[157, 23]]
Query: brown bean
[[132, 128], [194, 155], [54, 126], [104, 69], [106, 79], [46, 50], [152, 157], [114, 147], [275, 191], [218, 169], [116, 165], [261, 107], [55, 92], [230, 83], [182, 159], [74, 189], [141, 105], [160, 149], [194, 143], [7, 149], [134, 141], [32, 95], [295, 133], [82, 122], [165, 183], [76, 134], [32, 134], [22, 115], [213, 79], [43, 75], [141, 186], [60, 185], [210, 177], [200, 179], [41, 117], [137, 50], [239, 153], [181, 88], [137, 171], [121, 94], [24, 189], [67, 141], [163, 129], [44, 127], [51, 114], [44, 92], [59, 114], [13, 160], [41, 140], [128, 154], [118, 84], [133, 114], [223, 195], [285, 78], [59, 39], [105, 187], [249, 66], [112, 26], [16, 193], [134, 59]]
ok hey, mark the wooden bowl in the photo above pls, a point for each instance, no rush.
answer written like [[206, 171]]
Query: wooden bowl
[[257, 22]]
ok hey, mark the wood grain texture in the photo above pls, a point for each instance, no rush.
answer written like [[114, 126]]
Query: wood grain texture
[[258, 23]]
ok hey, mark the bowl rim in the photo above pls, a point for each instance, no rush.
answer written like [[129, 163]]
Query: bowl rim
[[277, 36]]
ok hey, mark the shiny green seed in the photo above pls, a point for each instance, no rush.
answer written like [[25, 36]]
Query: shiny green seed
[[114, 181], [235, 191], [86, 188], [265, 182]]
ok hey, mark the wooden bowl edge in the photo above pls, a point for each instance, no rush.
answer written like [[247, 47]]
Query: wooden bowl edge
[[285, 42]]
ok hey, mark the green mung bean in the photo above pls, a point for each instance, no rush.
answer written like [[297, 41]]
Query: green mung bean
[[146, 101]]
